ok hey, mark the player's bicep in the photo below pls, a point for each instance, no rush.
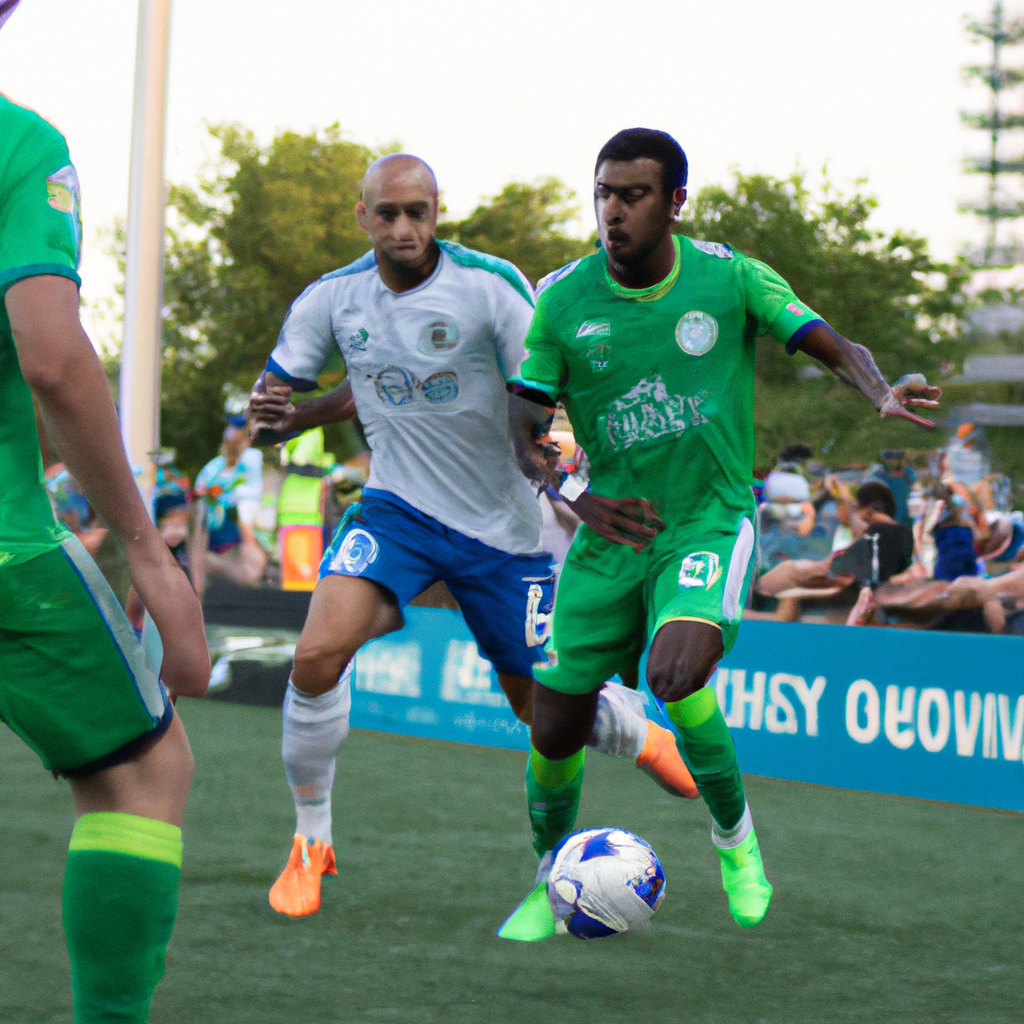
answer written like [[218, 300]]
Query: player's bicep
[[306, 341], [543, 367], [776, 309]]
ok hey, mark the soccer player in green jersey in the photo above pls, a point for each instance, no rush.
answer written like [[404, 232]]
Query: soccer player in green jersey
[[75, 683], [649, 344]]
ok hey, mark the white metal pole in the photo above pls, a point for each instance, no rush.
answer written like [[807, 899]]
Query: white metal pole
[[143, 287]]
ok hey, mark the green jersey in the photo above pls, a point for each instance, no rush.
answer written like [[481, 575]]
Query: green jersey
[[659, 382], [40, 233]]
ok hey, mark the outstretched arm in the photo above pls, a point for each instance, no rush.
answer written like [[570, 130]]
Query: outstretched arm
[[855, 366], [275, 417], [61, 367]]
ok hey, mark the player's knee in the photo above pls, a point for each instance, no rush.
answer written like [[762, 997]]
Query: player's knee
[[682, 656], [318, 666], [562, 722]]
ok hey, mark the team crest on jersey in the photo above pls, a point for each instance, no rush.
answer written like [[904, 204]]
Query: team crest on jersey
[[358, 551], [598, 357], [438, 336], [697, 332], [441, 388], [594, 329], [63, 194], [700, 569], [359, 339]]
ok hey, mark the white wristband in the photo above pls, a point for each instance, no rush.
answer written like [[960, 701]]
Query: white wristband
[[572, 487]]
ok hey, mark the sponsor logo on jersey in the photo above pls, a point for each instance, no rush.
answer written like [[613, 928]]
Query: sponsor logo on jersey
[[539, 602], [438, 336], [719, 249], [599, 355], [697, 332], [594, 328], [359, 339], [648, 412], [700, 569], [395, 386], [441, 388], [358, 551], [795, 309]]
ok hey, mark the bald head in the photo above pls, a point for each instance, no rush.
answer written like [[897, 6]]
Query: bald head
[[397, 169]]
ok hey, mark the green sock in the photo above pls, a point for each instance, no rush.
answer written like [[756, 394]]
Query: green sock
[[709, 753], [553, 797], [119, 903]]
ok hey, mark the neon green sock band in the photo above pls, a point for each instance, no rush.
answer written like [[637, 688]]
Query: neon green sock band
[[555, 774], [553, 808], [119, 903], [707, 748]]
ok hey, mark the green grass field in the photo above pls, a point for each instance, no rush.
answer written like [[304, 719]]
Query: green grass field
[[885, 909]]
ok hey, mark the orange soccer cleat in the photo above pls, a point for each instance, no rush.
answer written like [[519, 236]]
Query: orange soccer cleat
[[660, 759], [297, 889]]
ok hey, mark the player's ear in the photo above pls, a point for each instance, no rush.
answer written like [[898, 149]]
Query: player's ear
[[678, 201], [361, 215]]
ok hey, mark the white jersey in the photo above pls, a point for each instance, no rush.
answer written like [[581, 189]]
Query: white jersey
[[428, 369]]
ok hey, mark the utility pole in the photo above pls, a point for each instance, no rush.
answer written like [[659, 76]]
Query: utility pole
[[139, 396]]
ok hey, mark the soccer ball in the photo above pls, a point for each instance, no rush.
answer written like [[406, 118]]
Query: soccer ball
[[604, 881]]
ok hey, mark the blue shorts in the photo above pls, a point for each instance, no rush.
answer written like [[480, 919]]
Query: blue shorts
[[506, 599]]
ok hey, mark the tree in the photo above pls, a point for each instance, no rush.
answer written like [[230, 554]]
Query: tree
[[881, 290], [524, 224]]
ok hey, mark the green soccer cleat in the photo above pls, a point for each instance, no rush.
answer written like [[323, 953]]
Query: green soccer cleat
[[749, 892], [533, 919]]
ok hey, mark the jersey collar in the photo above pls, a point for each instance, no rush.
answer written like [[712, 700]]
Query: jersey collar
[[655, 291]]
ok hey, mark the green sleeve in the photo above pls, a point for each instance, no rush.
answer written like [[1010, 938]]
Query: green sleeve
[[543, 368], [40, 214], [778, 311]]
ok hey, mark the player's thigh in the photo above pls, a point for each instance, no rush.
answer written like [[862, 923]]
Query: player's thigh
[[519, 692], [75, 682], [598, 626], [153, 783], [704, 577], [506, 601]]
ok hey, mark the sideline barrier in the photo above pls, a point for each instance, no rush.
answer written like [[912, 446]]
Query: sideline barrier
[[932, 715]]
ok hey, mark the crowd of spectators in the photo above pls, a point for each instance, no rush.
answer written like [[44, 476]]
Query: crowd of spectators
[[931, 547]]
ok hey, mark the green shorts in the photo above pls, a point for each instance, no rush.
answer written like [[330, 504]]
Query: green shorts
[[611, 599], [75, 683]]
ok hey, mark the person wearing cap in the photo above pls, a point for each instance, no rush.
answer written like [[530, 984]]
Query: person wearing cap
[[227, 488]]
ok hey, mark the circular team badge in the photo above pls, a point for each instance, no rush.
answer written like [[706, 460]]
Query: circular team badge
[[395, 385], [697, 332], [438, 336], [358, 551], [441, 388]]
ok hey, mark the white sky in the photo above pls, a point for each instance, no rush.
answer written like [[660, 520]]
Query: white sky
[[490, 92]]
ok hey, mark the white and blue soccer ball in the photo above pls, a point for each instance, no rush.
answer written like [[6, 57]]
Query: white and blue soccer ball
[[605, 881]]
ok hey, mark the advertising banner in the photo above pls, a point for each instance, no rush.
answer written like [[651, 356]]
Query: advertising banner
[[912, 713]]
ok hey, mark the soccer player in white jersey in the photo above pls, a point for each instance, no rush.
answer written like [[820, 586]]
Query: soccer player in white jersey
[[428, 331]]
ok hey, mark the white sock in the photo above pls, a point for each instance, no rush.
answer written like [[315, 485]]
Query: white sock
[[314, 728], [620, 728], [727, 838]]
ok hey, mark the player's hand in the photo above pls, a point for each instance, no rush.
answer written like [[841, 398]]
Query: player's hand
[[271, 408], [170, 600], [910, 391], [629, 521]]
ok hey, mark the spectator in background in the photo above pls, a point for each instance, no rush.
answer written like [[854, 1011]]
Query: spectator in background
[[954, 532], [228, 492], [883, 548], [899, 478]]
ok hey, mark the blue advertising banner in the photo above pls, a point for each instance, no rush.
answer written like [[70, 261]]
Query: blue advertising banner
[[932, 715]]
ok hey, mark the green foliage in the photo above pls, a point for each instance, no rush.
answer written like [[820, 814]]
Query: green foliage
[[526, 225], [883, 291]]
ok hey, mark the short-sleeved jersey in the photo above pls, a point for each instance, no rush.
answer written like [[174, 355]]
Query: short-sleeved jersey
[[428, 369], [40, 233], [658, 383]]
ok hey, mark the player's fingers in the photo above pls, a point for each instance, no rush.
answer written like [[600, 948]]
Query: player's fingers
[[610, 534], [627, 525], [926, 402]]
